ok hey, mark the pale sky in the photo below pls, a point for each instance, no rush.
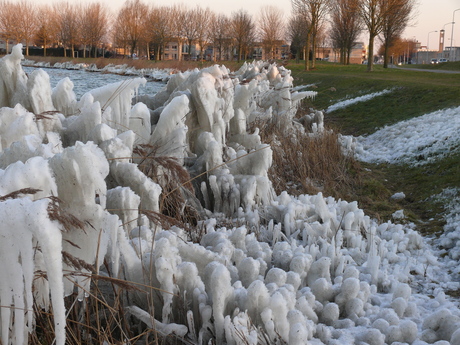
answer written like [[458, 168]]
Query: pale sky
[[432, 14]]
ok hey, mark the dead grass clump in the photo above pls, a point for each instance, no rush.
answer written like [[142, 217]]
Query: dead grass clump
[[101, 317], [97, 319], [178, 204], [304, 163]]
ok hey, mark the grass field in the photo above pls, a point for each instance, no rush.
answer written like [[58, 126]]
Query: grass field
[[414, 93]]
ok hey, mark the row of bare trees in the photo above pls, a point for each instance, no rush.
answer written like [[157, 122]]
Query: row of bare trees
[[386, 19], [138, 27], [141, 28], [66, 24]]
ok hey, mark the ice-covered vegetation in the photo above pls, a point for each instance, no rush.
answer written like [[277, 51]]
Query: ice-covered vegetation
[[171, 196]]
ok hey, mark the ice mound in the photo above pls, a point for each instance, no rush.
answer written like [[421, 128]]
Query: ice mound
[[89, 184]]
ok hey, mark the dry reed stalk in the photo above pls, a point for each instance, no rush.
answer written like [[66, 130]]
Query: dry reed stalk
[[178, 204], [16, 194], [66, 219]]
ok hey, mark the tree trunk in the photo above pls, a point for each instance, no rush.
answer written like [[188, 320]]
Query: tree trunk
[[307, 52], [385, 54], [313, 51], [370, 58], [189, 50]]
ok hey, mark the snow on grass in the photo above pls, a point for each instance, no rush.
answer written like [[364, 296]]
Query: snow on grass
[[416, 141], [451, 236], [351, 101]]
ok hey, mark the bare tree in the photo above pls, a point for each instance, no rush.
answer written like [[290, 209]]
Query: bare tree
[[47, 31], [219, 33], [204, 21], [314, 12], [243, 31], [119, 35], [7, 21], [189, 23], [19, 21], [346, 26], [177, 16], [68, 24], [271, 28], [28, 22], [131, 18], [94, 26], [399, 13], [297, 31], [400, 49], [160, 29], [373, 14]]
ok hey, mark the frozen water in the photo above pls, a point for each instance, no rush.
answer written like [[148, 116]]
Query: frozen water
[[85, 81]]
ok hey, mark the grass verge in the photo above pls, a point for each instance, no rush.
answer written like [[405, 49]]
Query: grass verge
[[414, 93]]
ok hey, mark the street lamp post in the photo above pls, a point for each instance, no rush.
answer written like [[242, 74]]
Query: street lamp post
[[428, 44], [443, 38], [452, 34]]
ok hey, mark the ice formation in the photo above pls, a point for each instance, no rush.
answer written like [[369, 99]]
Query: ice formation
[[348, 102], [267, 268], [417, 141]]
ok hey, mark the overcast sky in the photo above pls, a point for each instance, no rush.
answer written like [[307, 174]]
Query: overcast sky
[[432, 14]]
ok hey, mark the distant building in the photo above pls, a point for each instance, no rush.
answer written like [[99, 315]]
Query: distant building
[[357, 56], [281, 50], [177, 50]]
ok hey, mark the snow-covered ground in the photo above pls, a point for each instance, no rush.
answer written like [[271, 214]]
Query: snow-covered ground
[[419, 140], [347, 102], [268, 269]]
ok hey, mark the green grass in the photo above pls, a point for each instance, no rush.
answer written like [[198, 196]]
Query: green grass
[[415, 93], [446, 66]]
